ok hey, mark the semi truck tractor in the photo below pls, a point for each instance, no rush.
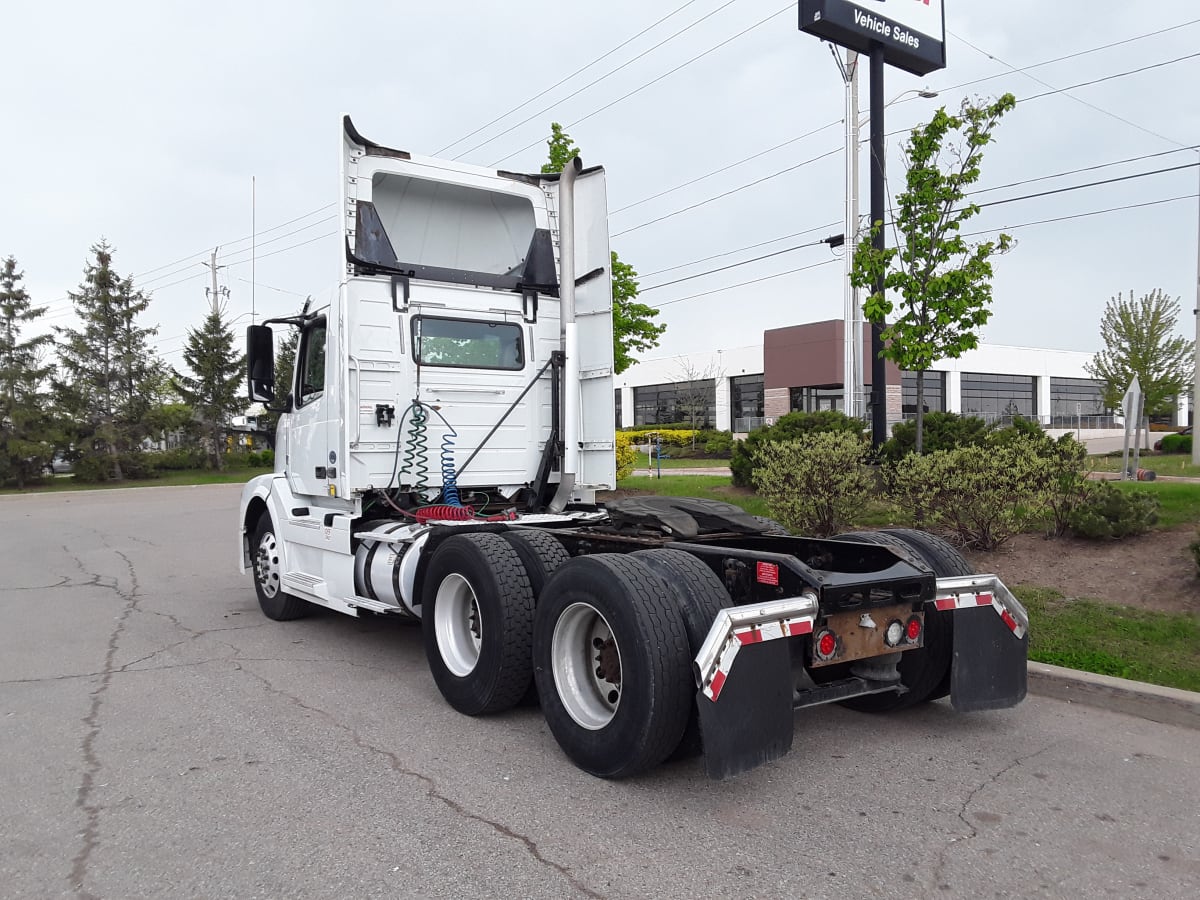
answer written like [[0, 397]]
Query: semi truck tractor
[[439, 455]]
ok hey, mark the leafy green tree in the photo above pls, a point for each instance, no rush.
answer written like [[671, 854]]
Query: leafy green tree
[[108, 372], [943, 280], [634, 328], [1141, 338], [213, 390], [24, 424]]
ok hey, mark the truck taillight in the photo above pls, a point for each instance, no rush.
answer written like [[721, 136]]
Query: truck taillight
[[912, 631], [894, 633], [825, 645]]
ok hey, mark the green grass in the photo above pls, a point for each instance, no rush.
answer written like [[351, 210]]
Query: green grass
[[1142, 645], [1179, 502], [63, 483], [645, 462], [1168, 464]]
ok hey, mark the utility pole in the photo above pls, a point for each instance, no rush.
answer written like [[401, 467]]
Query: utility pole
[[852, 341], [879, 242], [1196, 366], [215, 293]]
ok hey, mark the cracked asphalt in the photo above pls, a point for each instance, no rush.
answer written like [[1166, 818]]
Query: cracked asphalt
[[160, 738]]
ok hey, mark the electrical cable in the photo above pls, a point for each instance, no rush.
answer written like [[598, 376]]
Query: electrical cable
[[1091, 184], [563, 81], [744, 262], [596, 81], [745, 283], [654, 81]]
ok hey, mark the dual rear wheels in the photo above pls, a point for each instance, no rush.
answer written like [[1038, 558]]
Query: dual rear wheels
[[607, 639]]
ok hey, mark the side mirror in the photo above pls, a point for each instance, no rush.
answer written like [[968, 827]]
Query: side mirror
[[260, 363]]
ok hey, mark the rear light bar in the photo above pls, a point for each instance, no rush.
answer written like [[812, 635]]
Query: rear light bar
[[971, 591]]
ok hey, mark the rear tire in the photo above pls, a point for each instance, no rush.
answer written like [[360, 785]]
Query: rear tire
[[926, 671], [699, 596], [268, 575], [477, 623], [541, 553], [611, 664], [771, 526]]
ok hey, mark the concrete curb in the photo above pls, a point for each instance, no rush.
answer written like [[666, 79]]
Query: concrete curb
[[1169, 706]]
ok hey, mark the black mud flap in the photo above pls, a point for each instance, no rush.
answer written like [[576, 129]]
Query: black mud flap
[[989, 662], [751, 721]]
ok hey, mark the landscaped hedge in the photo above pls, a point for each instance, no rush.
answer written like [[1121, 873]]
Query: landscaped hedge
[[788, 428], [1177, 443]]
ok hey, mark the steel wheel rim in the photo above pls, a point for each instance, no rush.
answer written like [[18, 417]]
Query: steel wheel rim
[[266, 565], [458, 625], [586, 663]]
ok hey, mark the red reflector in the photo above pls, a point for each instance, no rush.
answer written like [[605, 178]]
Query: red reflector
[[768, 573], [826, 644], [914, 629]]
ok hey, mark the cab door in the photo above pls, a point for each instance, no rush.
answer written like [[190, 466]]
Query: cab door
[[308, 460]]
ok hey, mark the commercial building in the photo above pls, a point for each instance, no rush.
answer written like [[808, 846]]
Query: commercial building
[[799, 368]]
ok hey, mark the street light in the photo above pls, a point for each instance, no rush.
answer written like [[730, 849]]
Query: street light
[[853, 375]]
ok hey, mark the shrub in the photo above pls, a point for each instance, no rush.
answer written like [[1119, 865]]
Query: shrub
[[816, 484], [671, 436], [180, 458], [977, 496], [942, 431], [96, 468], [718, 443], [1177, 443], [626, 456], [1110, 513], [788, 428], [1063, 479], [1020, 429]]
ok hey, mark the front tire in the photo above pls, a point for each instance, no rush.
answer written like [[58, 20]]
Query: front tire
[[477, 623], [268, 575], [612, 665]]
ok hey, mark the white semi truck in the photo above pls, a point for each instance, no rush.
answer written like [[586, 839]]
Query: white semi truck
[[439, 453]]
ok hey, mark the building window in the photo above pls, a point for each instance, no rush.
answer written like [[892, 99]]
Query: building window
[[935, 392], [746, 398], [999, 397], [682, 403], [1072, 397], [617, 406], [815, 399]]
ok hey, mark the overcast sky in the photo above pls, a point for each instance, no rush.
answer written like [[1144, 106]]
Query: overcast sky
[[144, 122]]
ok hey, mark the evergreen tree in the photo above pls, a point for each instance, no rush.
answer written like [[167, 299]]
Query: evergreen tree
[[634, 327], [108, 371], [213, 390], [24, 424]]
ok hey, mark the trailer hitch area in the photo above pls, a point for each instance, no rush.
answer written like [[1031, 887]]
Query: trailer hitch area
[[991, 642], [747, 721]]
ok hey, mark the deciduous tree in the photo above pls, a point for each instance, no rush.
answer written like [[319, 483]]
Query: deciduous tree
[[942, 279], [634, 328], [1141, 338]]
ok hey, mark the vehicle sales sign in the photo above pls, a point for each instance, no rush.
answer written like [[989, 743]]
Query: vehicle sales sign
[[912, 33]]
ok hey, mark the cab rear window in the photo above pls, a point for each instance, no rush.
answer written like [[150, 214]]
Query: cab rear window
[[467, 344]]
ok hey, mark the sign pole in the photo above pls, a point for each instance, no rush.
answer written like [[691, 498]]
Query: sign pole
[[879, 242]]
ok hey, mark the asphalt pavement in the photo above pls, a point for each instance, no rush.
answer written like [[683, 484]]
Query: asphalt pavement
[[161, 739]]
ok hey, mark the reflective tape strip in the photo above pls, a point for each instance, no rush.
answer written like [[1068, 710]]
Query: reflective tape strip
[[753, 634], [968, 600]]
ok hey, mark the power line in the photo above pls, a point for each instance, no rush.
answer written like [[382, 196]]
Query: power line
[[1057, 59], [1118, 162], [596, 81], [1090, 184], [654, 81], [695, 262], [735, 265], [1066, 90], [1098, 212], [563, 81], [735, 190], [745, 283], [725, 168]]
